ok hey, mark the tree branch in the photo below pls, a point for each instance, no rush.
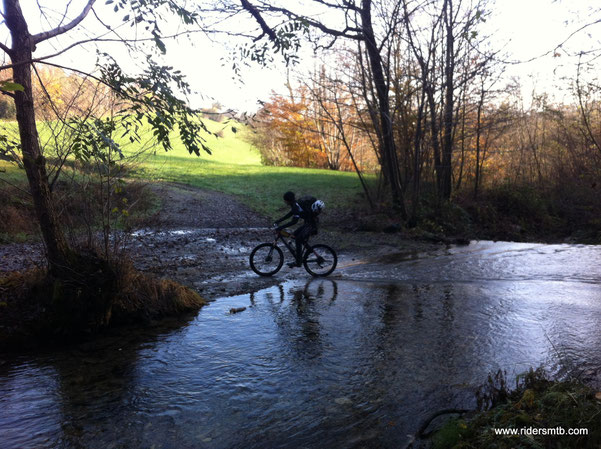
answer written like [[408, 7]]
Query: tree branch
[[8, 94], [346, 32], [259, 18], [346, 5], [41, 59], [95, 78], [4, 48], [63, 29]]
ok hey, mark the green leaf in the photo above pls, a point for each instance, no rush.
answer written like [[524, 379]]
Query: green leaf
[[160, 44], [9, 86]]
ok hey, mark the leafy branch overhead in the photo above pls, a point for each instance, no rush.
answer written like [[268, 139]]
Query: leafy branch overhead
[[150, 97], [149, 12]]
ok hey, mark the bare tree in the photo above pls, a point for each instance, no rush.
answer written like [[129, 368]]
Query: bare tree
[[334, 111], [446, 49]]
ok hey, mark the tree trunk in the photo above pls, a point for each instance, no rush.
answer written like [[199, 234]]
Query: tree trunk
[[57, 249], [435, 135], [447, 143], [478, 135], [462, 162], [417, 144], [389, 156]]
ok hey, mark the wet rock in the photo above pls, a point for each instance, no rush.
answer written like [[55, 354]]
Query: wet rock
[[237, 309]]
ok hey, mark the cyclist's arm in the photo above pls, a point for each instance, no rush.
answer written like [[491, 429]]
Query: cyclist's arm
[[290, 223], [295, 213], [285, 217]]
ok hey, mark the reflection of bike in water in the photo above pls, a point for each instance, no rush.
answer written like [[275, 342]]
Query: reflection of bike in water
[[321, 289], [314, 289], [267, 258]]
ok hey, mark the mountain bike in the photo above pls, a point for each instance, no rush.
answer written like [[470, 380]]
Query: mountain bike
[[267, 258]]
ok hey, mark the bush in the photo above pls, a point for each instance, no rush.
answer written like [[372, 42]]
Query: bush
[[81, 209], [511, 212], [37, 307], [443, 218], [521, 202], [536, 402]]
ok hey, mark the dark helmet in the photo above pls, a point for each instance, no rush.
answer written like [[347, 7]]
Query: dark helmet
[[289, 196]]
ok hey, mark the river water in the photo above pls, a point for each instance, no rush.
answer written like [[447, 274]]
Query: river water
[[356, 360]]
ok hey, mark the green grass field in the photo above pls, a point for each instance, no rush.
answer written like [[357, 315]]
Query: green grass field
[[234, 167]]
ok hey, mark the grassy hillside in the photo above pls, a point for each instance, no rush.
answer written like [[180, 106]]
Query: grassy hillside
[[234, 167]]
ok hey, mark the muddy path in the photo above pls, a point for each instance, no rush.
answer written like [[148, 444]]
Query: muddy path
[[203, 239]]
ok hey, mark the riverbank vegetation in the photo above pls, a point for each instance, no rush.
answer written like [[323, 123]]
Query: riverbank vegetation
[[536, 413], [38, 308]]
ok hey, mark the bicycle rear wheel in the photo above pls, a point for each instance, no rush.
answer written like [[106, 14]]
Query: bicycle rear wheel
[[320, 261], [266, 259]]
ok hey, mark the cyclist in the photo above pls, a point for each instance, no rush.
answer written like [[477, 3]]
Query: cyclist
[[308, 208]]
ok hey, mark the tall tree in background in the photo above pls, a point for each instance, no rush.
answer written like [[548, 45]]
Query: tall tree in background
[[337, 123], [449, 54], [286, 133]]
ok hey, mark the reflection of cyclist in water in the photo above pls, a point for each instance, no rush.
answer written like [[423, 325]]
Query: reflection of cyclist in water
[[308, 208]]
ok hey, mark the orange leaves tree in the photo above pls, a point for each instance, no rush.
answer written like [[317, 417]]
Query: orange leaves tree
[[286, 133]]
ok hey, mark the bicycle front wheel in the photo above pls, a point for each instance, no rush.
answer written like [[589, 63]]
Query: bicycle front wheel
[[266, 259], [320, 261]]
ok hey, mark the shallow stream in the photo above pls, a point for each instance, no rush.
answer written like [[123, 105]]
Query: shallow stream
[[356, 360]]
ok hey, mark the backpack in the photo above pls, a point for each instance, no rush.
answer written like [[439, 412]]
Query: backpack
[[305, 202]]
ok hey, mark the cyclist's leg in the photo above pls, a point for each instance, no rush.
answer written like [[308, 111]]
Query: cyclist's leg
[[300, 237]]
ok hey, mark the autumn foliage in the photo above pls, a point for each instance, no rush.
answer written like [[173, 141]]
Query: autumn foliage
[[304, 130], [286, 135]]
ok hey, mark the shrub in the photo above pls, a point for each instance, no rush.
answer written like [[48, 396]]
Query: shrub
[[38, 307]]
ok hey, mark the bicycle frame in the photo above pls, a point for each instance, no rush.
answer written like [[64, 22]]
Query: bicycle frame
[[281, 236]]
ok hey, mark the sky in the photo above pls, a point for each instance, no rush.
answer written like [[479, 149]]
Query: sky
[[525, 29], [530, 30]]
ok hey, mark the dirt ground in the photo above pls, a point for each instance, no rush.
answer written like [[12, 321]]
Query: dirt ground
[[203, 239]]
